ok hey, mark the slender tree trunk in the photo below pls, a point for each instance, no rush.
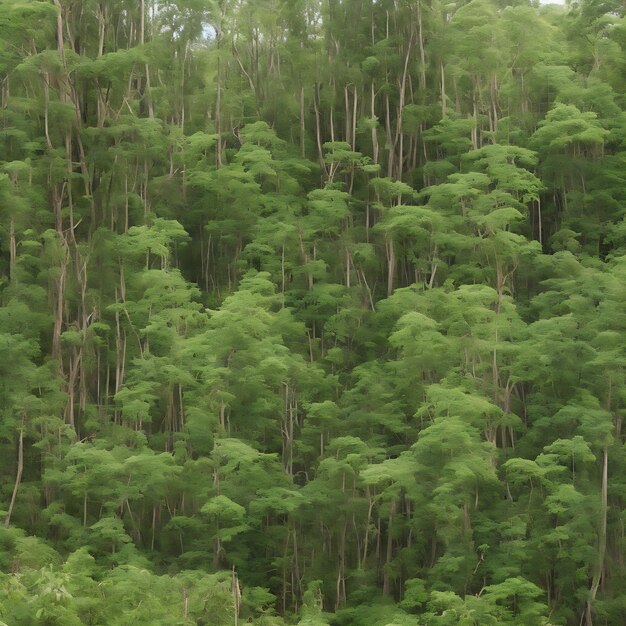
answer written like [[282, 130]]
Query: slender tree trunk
[[318, 131], [340, 599], [443, 90], [475, 141], [218, 100], [420, 36], [236, 590], [399, 138], [599, 573], [391, 148], [347, 115], [391, 264], [18, 476], [354, 116], [389, 552], [374, 129], [302, 125], [12, 249], [367, 525], [539, 218]]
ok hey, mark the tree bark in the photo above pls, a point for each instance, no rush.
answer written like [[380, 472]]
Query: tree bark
[[597, 577], [18, 476]]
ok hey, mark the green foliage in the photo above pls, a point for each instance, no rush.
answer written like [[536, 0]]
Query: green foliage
[[312, 313]]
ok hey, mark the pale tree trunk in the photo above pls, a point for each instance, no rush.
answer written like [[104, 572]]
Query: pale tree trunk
[[59, 302], [185, 603], [348, 115], [354, 116], [318, 131], [399, 138], [12, 249], [475, 96], [539, 218], [288, 426], [422, 75], [374, 130], [302, 125], [236, 590], [5, 92], [443, 90], [341, 573], [18, 476], [142, 36], [370, 508], [391, 264], [391, 147], [46, 110], [494, 101], [120, 339], [102, 21], [599, 573], [218, 101]]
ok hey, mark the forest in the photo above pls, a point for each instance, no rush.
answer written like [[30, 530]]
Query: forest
[[312, 312]]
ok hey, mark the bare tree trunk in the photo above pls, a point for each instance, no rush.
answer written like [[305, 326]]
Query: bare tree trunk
[[302, 126], [218, 101], [420, 36], [374, 129], [391, 147], [340, 599], [354, 116], [348, 115], [443, 90], [60, 299], [318, 131], [599, 573], [142, 34], [494, 101], [475, 114], [12, 249], [389, 553], [367, 524], [399, 139], [18, 476], [391, 264], [236, 589], [539, 221]]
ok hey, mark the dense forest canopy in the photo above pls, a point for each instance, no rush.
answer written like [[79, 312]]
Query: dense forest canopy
[[312, 312]]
